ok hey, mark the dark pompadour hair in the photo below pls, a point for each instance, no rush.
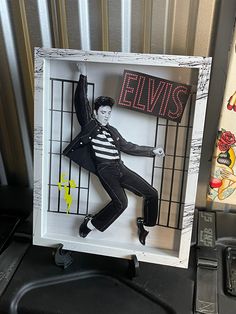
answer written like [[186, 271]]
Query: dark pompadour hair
[[103, 101]]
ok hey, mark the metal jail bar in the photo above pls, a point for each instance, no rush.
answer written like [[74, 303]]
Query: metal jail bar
[[58, 154], [166, 203]]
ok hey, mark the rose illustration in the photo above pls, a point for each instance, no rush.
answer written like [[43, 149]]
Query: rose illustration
[[223, 147], [226, 140]]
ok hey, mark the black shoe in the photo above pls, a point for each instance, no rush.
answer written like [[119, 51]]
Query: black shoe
[[142, 233], [83, 229]]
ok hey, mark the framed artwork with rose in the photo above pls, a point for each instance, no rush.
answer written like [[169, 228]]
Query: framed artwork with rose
[[222, 184]]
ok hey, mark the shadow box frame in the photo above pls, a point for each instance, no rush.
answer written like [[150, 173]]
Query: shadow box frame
[[43, 226]]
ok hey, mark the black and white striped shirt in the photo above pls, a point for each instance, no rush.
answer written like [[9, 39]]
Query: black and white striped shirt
[[104, 147]]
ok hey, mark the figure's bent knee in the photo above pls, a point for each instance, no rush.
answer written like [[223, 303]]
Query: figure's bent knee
[[125, 203], [122, 204], [153, 193]]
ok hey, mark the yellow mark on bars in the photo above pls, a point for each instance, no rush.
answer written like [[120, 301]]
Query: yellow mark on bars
[[66, 185]]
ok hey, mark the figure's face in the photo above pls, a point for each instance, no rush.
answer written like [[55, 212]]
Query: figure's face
[[103, 114]]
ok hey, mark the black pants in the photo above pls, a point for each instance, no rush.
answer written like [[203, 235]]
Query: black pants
[[115, 177]]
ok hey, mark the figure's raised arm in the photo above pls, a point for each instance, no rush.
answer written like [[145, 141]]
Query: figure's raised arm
[[139, 150], [82, 107]]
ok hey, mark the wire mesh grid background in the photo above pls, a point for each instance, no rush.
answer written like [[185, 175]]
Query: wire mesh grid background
[[66, 178]]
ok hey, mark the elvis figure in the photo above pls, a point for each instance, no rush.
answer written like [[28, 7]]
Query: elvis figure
[[98, 149]]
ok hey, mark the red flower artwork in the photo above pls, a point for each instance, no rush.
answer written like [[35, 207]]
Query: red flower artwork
[[226, 140]]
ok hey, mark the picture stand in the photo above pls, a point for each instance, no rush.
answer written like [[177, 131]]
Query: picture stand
[[133, 269], [62, 258]]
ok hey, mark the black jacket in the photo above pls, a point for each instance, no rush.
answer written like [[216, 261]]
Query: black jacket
[[79, 150]]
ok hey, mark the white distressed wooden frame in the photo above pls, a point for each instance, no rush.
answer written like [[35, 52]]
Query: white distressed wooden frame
[[41, 234]]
